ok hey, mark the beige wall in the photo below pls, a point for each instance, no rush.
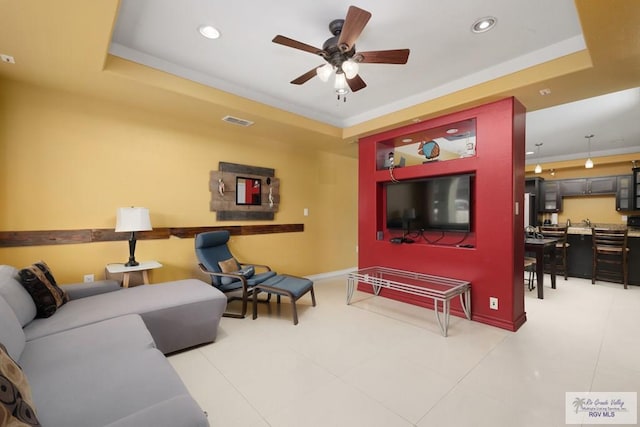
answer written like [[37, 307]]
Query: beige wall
[[68, 161]]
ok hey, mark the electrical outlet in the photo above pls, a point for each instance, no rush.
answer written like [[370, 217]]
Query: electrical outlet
[[88, 278], [493, 303]]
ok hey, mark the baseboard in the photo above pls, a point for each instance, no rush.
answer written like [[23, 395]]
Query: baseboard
[[330, 274]]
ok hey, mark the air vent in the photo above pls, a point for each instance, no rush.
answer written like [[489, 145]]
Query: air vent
[[237, 121]]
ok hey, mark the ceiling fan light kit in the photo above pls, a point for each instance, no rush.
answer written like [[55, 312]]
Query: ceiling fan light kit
[[340, 53], [324, 72]]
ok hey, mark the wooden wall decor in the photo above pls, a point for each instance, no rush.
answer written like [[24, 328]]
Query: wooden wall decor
[[10, 239], [241, 192]]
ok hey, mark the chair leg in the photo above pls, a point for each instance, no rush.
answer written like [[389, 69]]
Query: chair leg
[[244, 305], [295, 311], [233, 315], [255, 303], [243, 312], [313, 297]]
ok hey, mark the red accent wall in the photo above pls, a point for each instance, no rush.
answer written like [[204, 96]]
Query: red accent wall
[[494, 265]]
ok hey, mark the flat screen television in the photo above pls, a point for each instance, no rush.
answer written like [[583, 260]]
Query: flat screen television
[[438, 203]]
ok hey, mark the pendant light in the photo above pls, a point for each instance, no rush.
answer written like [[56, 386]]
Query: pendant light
[[589, 163], [538, 168]]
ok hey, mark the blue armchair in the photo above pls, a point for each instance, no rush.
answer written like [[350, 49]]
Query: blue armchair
[[227, 274]]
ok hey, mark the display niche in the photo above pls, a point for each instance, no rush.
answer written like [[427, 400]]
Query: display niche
[[447, 142]]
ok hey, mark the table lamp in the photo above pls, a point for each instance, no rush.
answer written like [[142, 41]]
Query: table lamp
[[132, 219]]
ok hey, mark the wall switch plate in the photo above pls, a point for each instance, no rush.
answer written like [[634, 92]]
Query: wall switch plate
[[88, 278], [493, 303], [305, 212]]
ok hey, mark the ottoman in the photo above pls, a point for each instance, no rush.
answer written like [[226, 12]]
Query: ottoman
[[284, 285]]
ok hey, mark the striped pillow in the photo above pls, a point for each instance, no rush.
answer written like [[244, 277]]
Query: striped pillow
[[39, 282]]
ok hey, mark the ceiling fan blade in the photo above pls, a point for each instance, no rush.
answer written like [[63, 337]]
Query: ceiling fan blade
[[356, 83], [286, 41], [305, 77], [353, 25], [396, 56]]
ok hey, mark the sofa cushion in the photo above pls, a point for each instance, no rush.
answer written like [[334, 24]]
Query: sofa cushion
[[16, 404], [121, 334], [105, 388], [178, 314], [16, 295], [11, 333], [39, 282], [83, 290]]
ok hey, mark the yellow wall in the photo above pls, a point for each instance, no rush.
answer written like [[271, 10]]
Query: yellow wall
[[68, 161]]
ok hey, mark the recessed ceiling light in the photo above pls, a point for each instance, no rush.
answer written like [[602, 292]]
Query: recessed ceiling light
[[545, 91], [530, 153], [407, 140], [484, 24], [452, 131], [209, 32]]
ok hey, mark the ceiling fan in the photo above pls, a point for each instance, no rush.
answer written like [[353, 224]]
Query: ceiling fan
[[340, 53]]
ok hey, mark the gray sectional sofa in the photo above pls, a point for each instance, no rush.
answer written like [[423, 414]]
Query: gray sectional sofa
[[99, 360]]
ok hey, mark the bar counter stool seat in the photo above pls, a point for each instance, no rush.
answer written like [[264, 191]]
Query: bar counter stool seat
[[610, 251], [530, 268], [560, 233]]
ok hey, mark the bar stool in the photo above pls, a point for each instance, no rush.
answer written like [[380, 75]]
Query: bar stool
[[610, 250], [560, 233], [530, 267]]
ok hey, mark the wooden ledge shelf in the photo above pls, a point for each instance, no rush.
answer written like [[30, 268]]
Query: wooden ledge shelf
[[68, 237]]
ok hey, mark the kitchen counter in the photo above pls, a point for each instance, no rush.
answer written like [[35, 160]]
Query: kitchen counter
[[581, 230], [580, 254]]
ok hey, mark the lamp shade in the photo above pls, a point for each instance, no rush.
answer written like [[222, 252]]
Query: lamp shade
[[132, 219], [340, 84], [350, 68], [324, 72]]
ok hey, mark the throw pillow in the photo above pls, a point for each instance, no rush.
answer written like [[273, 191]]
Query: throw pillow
[[229, 266], [16, 405], [39, 282]]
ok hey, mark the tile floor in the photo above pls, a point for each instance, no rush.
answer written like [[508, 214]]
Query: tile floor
[[379, 362]]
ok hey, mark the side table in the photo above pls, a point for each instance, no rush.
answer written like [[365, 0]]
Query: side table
[[143, 267]]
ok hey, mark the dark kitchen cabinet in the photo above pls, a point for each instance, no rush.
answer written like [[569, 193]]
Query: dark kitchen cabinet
[[573, 187], [586, 186], [636, 188], [624, 195], [551, 198], [602, 185]]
